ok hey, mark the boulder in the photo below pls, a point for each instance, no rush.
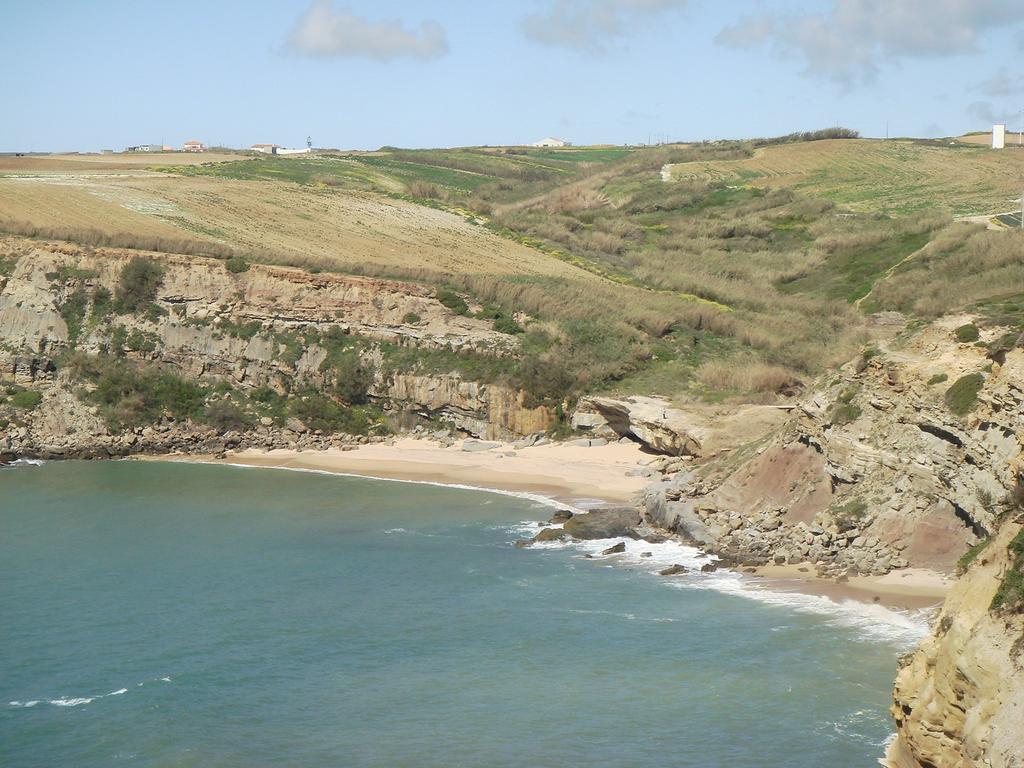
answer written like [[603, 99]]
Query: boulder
[[709, 568], [474, 446], [561, 516], [650, 421], [673, 570], [615, 549], [604, 523], [551, 534]]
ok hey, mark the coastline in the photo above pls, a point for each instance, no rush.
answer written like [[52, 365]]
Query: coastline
[[574, 476]]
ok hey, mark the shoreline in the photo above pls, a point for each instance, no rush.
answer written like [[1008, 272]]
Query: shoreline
[[578, 477]]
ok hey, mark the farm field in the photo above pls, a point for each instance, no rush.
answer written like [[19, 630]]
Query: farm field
[[121, 161], [879, 176]]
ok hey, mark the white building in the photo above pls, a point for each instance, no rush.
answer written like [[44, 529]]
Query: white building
[[998, 136], [144, 148], [551, 141], [266, 149], [193, 146], [303, 151]]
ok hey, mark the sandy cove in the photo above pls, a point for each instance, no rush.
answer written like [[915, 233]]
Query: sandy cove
[[572, 475]]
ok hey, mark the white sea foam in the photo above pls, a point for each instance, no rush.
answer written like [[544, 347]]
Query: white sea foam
[[540, 499], [24, 463], [77, 701], [73, 702], [875, 622]]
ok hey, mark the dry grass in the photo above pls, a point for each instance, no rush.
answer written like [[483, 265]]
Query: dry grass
[[740, 375], [963, 265]]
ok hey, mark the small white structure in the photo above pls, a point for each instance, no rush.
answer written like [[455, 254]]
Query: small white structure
[[551, 141], [193, 146], [144, 148], [303, 151], [998, 136], [266, 149]]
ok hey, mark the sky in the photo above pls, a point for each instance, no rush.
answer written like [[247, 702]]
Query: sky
[[358, 74]]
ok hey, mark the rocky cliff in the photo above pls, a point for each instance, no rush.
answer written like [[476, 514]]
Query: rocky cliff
[[959, 700], [255, 326]]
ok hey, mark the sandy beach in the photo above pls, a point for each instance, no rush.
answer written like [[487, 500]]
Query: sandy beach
[[566, 473], [578, 476]]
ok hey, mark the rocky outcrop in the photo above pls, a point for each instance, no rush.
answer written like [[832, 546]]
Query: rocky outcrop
[[959, 700], [261, 326], [648, 420], [490, 411], [604, 523]]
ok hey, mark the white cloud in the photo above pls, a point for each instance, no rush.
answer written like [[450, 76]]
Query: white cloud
[[325, 32], [591, 25], [851, 40]]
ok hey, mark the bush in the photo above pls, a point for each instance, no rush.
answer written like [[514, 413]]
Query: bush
[[73, 311], [963, 395], [507, 325], [937, 379], [850, 514], [967, 333], [237, 264], [352, 380], [26, 399], [227, 416], [140, 280], [411, 318], [452, 301], [1010, 595]]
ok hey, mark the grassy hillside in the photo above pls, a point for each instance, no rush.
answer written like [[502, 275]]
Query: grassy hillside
[[897, 177], [748, 270]]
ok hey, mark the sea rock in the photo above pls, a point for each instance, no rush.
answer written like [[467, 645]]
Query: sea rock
[[551, 534], [673, 570], [561, 516], [709, 568], [604, 523], [615, 549]]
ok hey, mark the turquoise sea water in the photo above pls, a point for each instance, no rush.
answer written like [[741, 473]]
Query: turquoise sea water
[[174, 615]]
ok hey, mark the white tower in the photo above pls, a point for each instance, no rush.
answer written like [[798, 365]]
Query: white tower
[[998, 136]]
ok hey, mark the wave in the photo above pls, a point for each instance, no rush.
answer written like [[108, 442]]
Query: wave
[[872, 621], [78, 701], [24, 463]]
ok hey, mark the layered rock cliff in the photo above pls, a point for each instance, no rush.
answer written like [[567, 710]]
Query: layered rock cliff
[[959, 700], [256, 326]]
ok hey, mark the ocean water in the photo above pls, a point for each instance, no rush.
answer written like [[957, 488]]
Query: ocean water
[[183, 615]]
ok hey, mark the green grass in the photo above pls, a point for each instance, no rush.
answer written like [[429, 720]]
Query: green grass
[[1010, 595], [850, 275], [963, 395], [971, 555]]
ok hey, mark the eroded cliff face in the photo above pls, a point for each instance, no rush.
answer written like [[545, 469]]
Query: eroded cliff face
[[871, 472], [251, 328], [959, 700]]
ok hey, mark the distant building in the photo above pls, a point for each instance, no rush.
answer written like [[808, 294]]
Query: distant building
[[143, 148], [998, 136], [266, 149], [106, 151], [551, 141], [193, 146], [303, 151], [167, 148]]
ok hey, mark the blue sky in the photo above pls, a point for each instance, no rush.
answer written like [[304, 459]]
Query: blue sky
[[354, 74]]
